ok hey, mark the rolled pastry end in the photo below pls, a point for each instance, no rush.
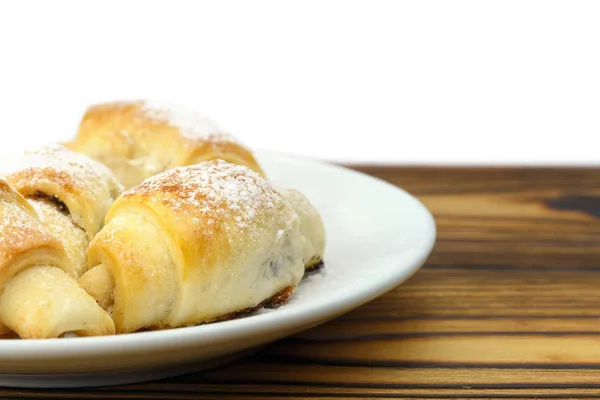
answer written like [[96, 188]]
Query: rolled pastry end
[[44, 302], [311, 227], [99, 284]]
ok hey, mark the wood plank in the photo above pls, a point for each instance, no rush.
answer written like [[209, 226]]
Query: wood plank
[[349, 328], [479, 291], [239, 391], [458, 349], [287, 372]]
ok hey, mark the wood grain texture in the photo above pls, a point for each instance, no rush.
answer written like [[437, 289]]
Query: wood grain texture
[[507, 306]]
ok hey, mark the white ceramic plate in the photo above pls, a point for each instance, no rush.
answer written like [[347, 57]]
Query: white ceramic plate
[[377, 237]]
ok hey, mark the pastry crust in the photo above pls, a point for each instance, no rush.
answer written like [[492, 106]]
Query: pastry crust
[[60, 199], [87, 188], [24, 240], [59, 223], [192, 245], [139, 139], [311, 227], [39, 294]]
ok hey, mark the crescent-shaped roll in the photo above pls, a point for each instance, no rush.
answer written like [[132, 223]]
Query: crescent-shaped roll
[[311, 227], [69, 194], [39, 293], [194, 245], [72, 182], [139, 139]]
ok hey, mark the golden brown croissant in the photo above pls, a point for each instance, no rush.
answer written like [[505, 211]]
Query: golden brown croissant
[[39, 293], [192, 245], [69, 194], [139, 139]]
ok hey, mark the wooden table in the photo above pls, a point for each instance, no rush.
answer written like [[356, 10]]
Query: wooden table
[[508, 306]]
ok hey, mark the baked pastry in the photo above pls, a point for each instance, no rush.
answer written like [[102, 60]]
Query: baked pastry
[[311, 227], [39, 295], [70, 192], [69, 195], [139, 139], [193, 245]]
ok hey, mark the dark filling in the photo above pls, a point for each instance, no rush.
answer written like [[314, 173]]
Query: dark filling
[[62, 207], [314, 266]]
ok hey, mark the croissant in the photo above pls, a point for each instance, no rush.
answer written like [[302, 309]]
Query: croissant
[[68, 194], [139, 139], [194, 245], [39, 295]]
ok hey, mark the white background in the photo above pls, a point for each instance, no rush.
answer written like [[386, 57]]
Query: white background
[[485, 82]]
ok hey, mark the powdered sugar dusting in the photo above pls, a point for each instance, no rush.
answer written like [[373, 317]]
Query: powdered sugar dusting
[[82, 170], [213, 188], [192, 125], [73, 172], [19, 228], [14, 226]]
